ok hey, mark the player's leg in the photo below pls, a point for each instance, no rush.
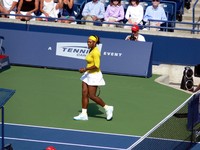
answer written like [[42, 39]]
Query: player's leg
[[85, 93], [92, 95], [85, 100]]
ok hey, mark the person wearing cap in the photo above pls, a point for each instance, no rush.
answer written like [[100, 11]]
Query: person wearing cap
[[135, 36], [155, 12], [91, 79]]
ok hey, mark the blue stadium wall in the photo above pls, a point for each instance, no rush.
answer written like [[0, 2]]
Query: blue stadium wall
[[166, 50]]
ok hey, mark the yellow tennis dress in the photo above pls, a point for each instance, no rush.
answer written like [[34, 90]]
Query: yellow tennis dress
[[93, 77]]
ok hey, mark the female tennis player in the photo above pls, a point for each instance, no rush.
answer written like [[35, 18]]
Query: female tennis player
[[91, 79]]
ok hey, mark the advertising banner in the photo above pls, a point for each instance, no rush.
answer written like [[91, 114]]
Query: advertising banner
[[69, 51]]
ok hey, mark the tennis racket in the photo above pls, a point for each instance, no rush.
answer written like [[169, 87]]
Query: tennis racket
[[98, 92]]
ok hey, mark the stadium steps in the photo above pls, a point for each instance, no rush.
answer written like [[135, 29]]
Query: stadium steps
[[187, 17]]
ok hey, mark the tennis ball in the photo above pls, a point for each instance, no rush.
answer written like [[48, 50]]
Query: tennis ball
[[50, 148]]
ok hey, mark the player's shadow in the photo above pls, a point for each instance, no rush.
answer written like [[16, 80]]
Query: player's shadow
[[94, 111]]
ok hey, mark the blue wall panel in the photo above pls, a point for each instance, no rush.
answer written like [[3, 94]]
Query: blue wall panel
[[174, 50], [68, 52], [166, 50]]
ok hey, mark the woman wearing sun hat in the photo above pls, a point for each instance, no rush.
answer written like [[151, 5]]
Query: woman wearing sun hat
[[91, 79]]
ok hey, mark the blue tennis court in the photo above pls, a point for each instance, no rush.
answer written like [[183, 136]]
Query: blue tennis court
[[23, 137]]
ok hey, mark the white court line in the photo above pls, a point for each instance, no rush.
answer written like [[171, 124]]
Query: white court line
[[61, 143], [63, 129], [159, 124]]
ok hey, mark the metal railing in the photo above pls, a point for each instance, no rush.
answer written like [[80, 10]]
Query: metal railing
[[166, 28], [193, 15]]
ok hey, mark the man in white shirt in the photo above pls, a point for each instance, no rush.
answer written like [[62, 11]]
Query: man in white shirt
[[9, 7], [93, 11], [155, 12], [135, 36]]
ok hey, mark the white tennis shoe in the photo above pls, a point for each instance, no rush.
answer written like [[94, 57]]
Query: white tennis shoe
[[109, 112], [81, 116]]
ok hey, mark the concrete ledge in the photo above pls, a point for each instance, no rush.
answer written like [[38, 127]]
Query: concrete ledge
[[175, 72], [163, 79], [171, 75]]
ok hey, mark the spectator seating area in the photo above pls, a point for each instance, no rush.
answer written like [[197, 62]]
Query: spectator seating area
[[170, 8], [173, 8]]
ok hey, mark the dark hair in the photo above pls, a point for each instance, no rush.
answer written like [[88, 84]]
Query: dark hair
[[111, 2], [137, 1], [98, 39]]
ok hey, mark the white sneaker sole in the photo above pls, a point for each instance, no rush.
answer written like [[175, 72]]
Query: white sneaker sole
[[83, 118]]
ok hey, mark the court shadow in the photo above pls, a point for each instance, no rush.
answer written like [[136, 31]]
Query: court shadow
[[94, 111]]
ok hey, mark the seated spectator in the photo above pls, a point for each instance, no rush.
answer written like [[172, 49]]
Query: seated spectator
[[154, 12], [8, 7], [2, 10], [49, 9], [27, 8], [114, 13], [67, 11], [134, 13], [93, 11], [135, 36]]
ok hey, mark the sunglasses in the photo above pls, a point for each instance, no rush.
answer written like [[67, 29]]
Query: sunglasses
[[155, 0]]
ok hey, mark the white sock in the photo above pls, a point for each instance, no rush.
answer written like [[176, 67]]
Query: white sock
[[84, 111], [106, 107]]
